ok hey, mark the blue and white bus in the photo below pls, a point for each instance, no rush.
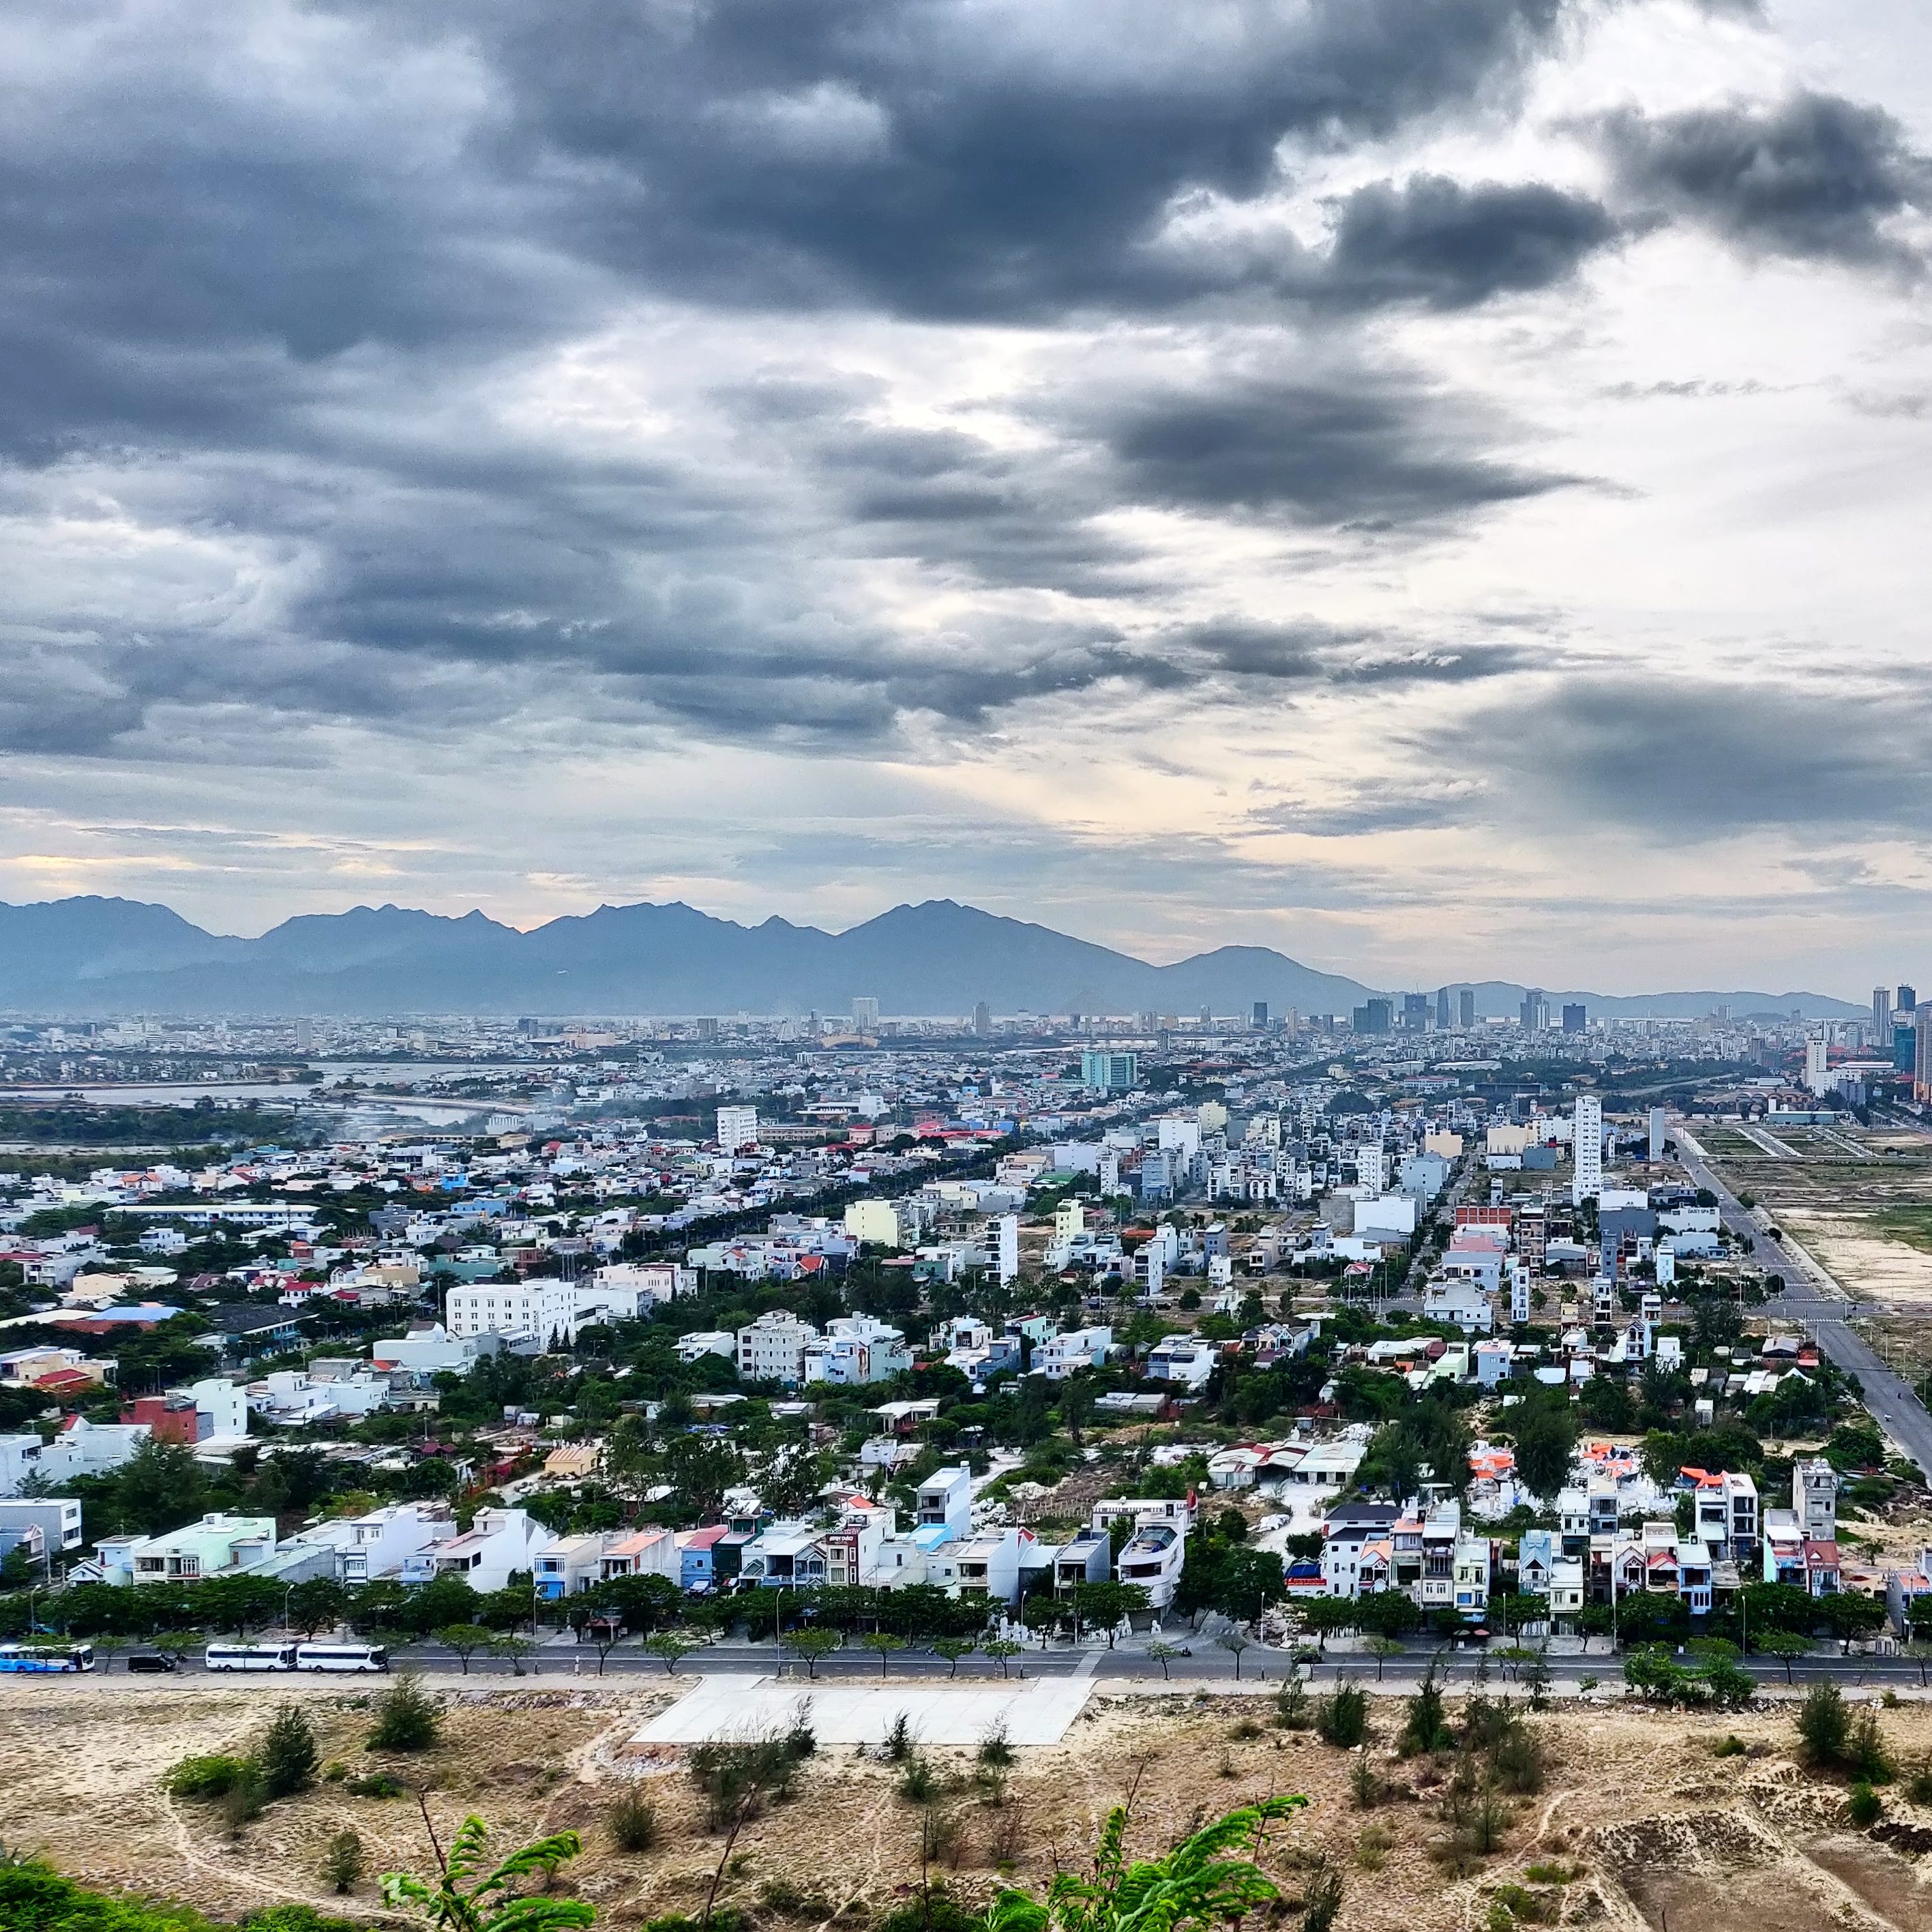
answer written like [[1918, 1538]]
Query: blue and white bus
[[47, 1657]]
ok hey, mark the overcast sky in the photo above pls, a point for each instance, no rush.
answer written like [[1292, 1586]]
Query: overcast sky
[[1437, 486]]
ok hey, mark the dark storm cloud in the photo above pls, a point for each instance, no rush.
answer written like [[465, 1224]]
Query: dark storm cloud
[[1370, 450], [1435, 241], [1814, 177], [1326, 654], [1691, 760], [266, 287], [998, 160]]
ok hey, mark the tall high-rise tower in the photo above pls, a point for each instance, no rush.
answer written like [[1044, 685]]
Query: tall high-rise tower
[[1587, 1148]]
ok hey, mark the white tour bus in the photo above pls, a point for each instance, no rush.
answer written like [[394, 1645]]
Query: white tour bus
[[342, 1656], [249, 1656], [327, 1656]]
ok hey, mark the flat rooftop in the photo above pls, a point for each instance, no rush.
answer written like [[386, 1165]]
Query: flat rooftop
[[717, 1709]]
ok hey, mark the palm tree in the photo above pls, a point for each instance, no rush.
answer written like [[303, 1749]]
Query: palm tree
[[1203, 1881], [456, 1904]]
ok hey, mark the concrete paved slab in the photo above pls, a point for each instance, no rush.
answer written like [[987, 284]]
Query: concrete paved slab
[[1037, 1711]]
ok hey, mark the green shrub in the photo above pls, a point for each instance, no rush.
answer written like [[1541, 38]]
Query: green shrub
[[633, 1823], [737, 1778], [933, 1910], [1864, 1805], [376, 1784], [996, 1749], [1343, 1719], [294, 1919], [1426, 1727], [1555, 1872], [919, 1782], [342, 1861], [1321, 1899], [204, 1777], [1517, 1759], [1730, 1745], [1824, 1725], [1290, 1705], [288, 1756], [791, 1901], [245, 1799], [406, 1718], [1865, 1755]]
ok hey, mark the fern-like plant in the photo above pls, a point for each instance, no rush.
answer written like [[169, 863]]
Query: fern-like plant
[[1204, 1881], [466, 1898]]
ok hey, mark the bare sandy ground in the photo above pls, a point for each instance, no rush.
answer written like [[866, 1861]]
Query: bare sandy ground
[[1652, 1826], [1870, 1265]]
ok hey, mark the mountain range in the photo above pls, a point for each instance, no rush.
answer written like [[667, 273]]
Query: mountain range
[[90, 956]]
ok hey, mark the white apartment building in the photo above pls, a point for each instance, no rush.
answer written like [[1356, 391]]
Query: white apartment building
[[855, 1349], [532, 1311], [1060, 1355], [424, 1351], [1586, 1147], [1006, 1247], [737, 1128], [84, 1448], [1371, 1167], [772, 1349], [1152, 1558], [1184, 1361], [379, 1541], [633, 1287], [498, 1543], [702, 1342]]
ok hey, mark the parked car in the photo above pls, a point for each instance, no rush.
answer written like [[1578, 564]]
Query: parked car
[[152, 1660]]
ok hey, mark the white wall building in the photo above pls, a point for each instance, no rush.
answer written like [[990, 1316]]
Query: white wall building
[[1060, 1355], [1587, 1149], [498, 1542], [737, 1128], [428, 1352], [855, 1349], [772, 1349], [538, 1311], [636, 1286], [381, 1540]]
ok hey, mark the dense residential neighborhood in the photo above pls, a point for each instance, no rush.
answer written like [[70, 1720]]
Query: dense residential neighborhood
[[1004, 1343]]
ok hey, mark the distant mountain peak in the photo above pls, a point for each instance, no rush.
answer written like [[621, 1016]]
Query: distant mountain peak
[[91, 954]]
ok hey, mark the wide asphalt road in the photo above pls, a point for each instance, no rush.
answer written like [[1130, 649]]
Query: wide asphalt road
[[1201, 1659], [1811, 1296]]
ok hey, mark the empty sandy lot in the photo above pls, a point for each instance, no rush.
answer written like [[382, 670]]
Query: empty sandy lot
[[1653, 1824]]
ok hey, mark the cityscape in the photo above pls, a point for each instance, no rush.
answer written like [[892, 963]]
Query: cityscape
[[963, 966]]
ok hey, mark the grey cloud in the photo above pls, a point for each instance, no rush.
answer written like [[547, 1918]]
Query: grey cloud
[[1426, 805], [994, 161], [1435, 241], [1812, 177], [1693, 760], [273, 293], [1336, 655], [1372, 450]]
